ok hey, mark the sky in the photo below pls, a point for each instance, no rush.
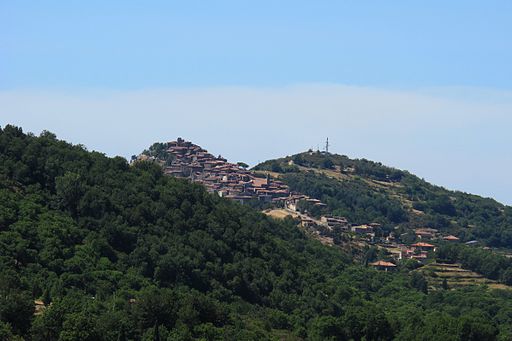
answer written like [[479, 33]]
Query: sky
[[424, 86]]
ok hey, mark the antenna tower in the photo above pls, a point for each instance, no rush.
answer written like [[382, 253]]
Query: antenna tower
[[327, 146]]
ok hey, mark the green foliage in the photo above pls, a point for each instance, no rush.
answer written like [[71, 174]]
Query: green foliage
[[242, 165], [125, 253], [354, 200], [491, 265], [367, 191], [419, 282]]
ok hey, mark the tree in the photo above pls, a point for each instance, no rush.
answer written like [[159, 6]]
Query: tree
[[242, 165], [69, 191], [156, 307], [276, 167], [16, 309], [419, 282], [79, 326], [506, 276], [443, 205], [327, 163]]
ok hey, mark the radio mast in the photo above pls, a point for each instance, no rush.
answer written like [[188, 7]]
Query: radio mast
[[327, 146]]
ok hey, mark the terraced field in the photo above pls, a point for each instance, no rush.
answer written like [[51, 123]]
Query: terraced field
[[455, 277]]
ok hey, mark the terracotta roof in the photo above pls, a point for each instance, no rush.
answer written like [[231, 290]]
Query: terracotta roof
[[450, 237], [258, 182]]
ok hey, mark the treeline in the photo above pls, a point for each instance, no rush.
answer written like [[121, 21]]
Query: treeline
[[119, 252], [310, 159]]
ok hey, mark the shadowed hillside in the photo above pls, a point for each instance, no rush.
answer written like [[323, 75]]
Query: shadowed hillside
[[94, 249]]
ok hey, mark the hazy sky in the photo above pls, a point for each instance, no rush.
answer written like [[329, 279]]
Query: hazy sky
[[425, 87]]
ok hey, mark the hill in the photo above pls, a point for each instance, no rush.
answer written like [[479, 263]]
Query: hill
[[109, 251], [366, 191]]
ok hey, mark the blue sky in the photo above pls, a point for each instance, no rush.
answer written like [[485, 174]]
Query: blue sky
[[139, 44], [424, 86]]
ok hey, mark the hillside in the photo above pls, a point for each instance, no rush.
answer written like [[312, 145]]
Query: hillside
[[451, 275], [92, 248], [366, 191]]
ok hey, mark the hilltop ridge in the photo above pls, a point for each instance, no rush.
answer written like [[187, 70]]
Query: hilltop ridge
[[358, 205], [359, 190], [363, 191]]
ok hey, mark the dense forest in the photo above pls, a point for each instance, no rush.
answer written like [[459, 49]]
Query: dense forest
[[366, 191], [121, 252]]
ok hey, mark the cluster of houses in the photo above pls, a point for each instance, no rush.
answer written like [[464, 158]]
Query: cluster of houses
[[235, 182], [418, 251], [398, 251], [292, 201], [336, 224], [228, 180]]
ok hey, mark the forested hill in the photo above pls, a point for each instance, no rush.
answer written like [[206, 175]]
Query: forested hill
[[94, 249], [366, 191]]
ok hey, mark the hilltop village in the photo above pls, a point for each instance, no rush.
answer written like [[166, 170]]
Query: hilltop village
[[183, 159], [226, 179]]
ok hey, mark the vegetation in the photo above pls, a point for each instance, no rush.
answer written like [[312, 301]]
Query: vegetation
[[158, 150], [366, 191], [119, 252], [355, 200], [485, 262]]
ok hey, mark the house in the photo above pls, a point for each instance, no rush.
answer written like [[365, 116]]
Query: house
[[218, 175], [240, 198], [423, 246], [383, 265], [333, 222], [406, 253], [425, 233], [292, 201], [420, 257], [390, 238], [307, 222], [451, 238], [362, 229], [39, 307]]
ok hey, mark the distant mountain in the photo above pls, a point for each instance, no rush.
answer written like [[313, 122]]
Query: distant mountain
[[366, 191]]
